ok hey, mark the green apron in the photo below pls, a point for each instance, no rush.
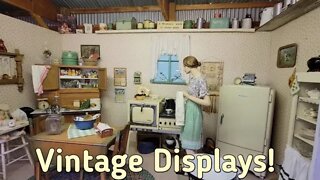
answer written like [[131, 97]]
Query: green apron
[[191, 132]]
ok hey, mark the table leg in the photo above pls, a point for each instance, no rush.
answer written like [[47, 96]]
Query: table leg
[[37, 171], [103, 176]]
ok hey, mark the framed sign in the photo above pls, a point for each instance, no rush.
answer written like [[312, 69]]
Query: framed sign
[[120, 76], [90, 50], [287, 56], [120, 95]]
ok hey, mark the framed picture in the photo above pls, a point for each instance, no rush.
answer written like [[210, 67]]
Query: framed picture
[[287, 56], [120, 95], [120, 76], [90, 50]]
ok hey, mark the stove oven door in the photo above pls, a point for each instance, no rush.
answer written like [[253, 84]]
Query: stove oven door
[[143, 114]]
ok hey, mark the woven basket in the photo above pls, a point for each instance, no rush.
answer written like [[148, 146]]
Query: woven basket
[[88, 62]]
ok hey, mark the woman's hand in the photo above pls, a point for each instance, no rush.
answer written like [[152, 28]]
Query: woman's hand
[[186, 94]]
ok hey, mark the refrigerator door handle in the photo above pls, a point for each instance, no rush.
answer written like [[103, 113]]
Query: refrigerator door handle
[[221, 118]]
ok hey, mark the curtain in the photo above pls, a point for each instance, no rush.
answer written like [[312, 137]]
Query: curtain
[[315, 162], [170, 44]]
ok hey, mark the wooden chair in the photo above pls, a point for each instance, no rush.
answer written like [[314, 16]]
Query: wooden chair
[[121, 142], [6, 149]]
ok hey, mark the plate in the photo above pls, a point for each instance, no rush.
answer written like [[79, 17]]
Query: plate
[[237, 80]]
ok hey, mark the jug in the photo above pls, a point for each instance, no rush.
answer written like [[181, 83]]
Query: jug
[[200, 23], [266, 15]]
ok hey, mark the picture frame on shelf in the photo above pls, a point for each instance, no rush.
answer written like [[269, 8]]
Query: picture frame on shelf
[[120, 76], [287, 56], [90, 50]]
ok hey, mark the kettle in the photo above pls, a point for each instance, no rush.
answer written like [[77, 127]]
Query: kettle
[[314, 64], [170, 104]]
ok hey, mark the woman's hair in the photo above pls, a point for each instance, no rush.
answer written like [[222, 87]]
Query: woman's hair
[[191, 62]]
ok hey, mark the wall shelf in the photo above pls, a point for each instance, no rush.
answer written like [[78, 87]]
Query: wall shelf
[[300, 8], [309, 120], [304, 139], [229, 30]]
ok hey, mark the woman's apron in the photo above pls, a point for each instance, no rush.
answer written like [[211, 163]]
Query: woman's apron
[[191, 132]]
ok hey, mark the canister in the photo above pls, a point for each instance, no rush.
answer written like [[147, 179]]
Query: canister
[[235, 23], [246, 23], [140, 25], [277, 9]]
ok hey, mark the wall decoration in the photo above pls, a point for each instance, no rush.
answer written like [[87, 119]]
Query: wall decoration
[[2, 46], [287, 56], [120, 76], [90, 52], [120, 95], [137, 77], [67, 24], [213, 72]]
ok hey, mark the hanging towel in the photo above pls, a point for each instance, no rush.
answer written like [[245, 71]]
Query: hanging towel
[[39, 74], [295, 166], [315, 163], [179, 109]]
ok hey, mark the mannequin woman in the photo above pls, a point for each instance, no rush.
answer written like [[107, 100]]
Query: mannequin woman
[[197, 96]]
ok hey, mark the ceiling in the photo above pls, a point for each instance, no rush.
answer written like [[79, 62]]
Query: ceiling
[[129, 3]]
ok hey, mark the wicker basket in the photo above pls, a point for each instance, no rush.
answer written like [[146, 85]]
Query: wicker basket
[[88, 62]]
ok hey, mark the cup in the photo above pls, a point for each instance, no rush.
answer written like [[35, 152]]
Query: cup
[[12, 123]]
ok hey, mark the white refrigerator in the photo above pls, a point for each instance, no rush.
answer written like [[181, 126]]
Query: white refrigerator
[[245, 120]]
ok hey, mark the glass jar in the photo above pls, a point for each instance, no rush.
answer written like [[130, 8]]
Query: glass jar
[[54, 124]]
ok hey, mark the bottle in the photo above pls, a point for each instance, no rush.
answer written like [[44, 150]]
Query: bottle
[[55, 107]]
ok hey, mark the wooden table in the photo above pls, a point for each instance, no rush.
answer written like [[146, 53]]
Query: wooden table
[[94, 144]]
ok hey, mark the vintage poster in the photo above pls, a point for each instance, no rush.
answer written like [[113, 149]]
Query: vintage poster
[[120, 77], [120, 95]]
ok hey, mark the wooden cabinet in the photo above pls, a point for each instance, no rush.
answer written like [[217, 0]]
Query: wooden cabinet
[[8, 74], [71, 84], [304, 113]]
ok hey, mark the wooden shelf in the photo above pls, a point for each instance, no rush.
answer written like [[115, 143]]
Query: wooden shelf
[[306, 119], [79, 67], [310, 142], [309, 100], [79, 90], [300, 8], [8, 54], [228, 30], [76, 77]]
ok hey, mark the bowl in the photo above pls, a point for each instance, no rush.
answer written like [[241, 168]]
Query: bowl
[[83, 125]]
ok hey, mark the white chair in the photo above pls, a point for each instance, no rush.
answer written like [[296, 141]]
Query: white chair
[[6, 148]]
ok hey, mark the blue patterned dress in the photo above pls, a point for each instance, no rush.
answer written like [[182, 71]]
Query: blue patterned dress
[[192, 130]]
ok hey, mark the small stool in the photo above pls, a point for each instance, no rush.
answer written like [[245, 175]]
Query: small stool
[[6, 150]]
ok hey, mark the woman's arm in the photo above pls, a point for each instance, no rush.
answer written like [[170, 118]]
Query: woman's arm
[[204, 102]]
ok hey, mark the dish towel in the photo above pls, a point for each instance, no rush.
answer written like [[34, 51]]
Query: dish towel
[[74, 132], [315, 163], [179, 109], [39, 74], [294, 166]]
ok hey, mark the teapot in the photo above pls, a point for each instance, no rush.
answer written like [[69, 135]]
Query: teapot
[[314, 93]]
